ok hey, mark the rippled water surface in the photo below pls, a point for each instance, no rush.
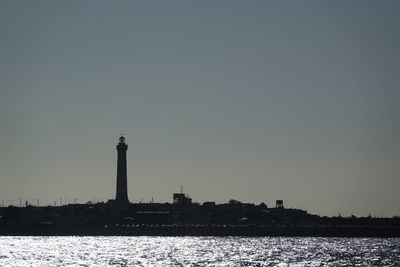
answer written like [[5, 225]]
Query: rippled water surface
[[197, 251]]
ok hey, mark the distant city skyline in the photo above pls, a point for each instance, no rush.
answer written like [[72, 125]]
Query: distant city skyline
[[253, 101]]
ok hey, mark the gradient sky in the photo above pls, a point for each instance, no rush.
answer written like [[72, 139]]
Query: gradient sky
[[251, 100]]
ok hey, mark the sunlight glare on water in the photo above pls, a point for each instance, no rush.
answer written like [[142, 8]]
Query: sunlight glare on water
[[198, 251]]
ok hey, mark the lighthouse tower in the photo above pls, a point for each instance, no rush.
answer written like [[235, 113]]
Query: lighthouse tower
[[122, 186]]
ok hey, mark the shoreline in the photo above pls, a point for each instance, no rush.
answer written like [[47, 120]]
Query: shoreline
[[239, 231]]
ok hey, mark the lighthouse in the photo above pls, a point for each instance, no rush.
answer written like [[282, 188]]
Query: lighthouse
[[122, 184]]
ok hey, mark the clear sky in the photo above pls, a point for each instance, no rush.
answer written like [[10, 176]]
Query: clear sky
[[250, 100]]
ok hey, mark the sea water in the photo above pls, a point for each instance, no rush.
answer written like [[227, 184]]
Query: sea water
[[198, 251]]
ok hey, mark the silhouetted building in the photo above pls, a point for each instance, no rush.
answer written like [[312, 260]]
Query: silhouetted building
[[209, 204], [279, 204], [122, 186], [181, 199]]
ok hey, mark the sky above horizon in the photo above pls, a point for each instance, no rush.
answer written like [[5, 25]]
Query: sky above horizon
[[247, 100]]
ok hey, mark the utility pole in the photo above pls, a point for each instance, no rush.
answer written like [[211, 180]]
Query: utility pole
[[37, 202]]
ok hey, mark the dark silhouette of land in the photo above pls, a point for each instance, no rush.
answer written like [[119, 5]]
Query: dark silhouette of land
[[182, 217], [166, 219]]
